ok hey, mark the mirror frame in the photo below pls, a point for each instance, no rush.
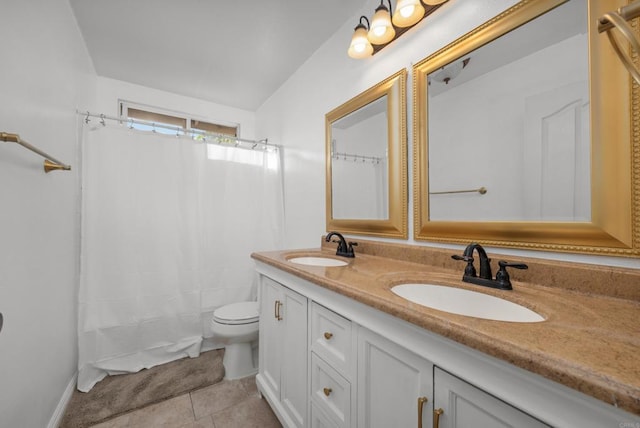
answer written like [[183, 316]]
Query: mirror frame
[[614, 229], [394, 87]]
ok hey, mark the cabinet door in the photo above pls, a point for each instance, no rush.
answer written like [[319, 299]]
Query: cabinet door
[[294, 394], [463, 405], [270, 335], [391, 382]]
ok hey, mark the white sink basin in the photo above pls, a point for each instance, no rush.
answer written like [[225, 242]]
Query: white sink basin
[[465, 302], [318, 261]]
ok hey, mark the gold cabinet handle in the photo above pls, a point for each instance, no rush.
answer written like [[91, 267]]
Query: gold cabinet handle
[[421, 401], [328, 335], [327, 391], [276, 310], [436, 417]]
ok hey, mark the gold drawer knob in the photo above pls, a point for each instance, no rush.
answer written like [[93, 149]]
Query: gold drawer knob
[[328, 335], [327, 391]]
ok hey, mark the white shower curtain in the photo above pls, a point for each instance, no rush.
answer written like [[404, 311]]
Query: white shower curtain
[[168, 226]]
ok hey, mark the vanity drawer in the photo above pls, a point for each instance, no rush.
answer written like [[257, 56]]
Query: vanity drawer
[[331, 338], [330, 392], [319, 419]]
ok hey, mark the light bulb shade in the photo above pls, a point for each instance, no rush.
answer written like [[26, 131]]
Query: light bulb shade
[[360, 46], [381, 31], [408, 13]]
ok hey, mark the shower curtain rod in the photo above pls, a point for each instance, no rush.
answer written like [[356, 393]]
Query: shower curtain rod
[[264, 144], [356, 157]]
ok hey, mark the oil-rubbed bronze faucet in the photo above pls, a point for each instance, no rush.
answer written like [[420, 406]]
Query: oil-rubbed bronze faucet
[[501, 281], [344, 249]]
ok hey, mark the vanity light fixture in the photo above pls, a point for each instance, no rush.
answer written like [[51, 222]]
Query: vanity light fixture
[[387, 25], [408, 13], [381, 31], [360, 45]]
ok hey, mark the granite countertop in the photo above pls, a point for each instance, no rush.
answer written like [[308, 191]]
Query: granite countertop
[[589, 342]]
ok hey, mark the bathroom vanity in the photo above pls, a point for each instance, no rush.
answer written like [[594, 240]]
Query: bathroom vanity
[[339, 349]]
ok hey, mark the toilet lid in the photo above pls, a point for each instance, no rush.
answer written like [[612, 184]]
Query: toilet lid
[[237, 313]]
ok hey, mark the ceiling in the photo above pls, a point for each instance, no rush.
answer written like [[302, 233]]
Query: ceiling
[[235, 53]]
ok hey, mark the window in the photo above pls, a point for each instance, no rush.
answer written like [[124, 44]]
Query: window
[[165, 122], [223, 147]]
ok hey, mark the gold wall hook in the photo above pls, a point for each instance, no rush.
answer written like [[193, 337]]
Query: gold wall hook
[[52, 166]]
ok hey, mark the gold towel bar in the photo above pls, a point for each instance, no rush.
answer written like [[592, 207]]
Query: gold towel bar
[[481, 190], [627, 13], [618, 20], [50, 163]]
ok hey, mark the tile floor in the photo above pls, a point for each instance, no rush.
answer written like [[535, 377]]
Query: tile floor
[[227, 404]]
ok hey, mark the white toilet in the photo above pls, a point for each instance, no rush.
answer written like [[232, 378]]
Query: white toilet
[[236, 325]]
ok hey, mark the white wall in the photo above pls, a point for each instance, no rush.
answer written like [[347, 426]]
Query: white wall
[[294, 115], [110, 91], [45, 74]]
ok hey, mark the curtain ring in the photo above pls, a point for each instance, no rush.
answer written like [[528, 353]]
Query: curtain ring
[[626, 31], [102, 120], [86, 119]]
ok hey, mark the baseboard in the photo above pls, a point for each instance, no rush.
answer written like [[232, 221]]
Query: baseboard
[[56, 418]]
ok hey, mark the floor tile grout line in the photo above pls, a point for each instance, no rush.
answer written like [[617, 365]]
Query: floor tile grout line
[[193, 411]]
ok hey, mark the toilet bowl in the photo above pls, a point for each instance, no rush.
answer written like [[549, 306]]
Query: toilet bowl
[[236, 326]]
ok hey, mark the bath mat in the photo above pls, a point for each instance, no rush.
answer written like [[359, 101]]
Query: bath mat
[[115, 395]]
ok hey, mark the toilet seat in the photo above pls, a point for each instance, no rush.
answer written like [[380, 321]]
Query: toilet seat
[[237, 313]]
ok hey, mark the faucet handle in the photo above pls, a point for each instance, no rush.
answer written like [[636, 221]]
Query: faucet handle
[[502, 276], [341, 245], [504, 264], [350, 249], [469, 270]]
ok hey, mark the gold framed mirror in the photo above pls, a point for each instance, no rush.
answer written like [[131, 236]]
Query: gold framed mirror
[[366, 162], [578, 143]]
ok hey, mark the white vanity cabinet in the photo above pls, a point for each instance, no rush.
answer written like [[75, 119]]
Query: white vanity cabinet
[[282, 376], [394, 385], [327, 360], [459, 404]]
